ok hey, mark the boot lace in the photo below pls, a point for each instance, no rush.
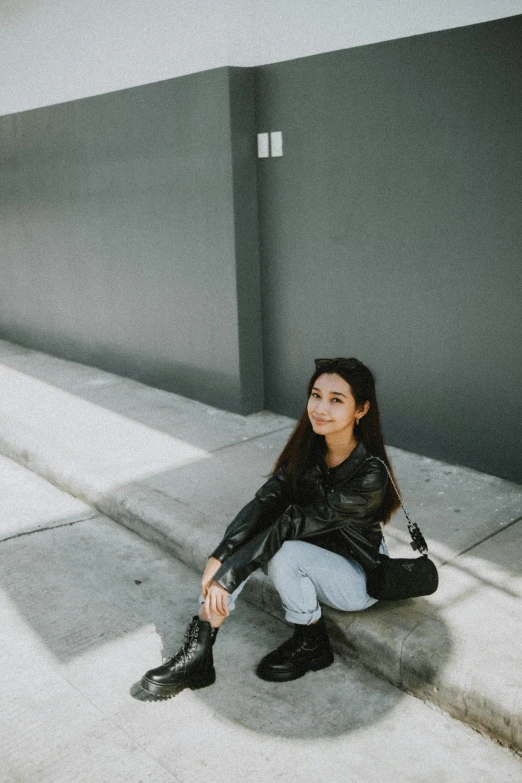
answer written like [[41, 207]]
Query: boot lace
[[189, 644]]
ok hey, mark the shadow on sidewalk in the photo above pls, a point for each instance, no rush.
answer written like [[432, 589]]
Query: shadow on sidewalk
[[82, 593], [340, 699]]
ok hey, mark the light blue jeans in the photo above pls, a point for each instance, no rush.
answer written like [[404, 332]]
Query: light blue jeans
[[305, 575]]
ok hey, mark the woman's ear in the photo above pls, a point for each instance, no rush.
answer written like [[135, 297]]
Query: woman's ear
[[363, 410]]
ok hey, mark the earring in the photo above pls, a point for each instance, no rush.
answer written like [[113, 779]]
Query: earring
[[357, 422]]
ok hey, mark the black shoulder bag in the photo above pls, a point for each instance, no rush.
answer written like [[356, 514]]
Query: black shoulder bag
[[396, 578]]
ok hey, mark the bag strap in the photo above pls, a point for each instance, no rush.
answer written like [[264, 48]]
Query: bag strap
[[417, 539]]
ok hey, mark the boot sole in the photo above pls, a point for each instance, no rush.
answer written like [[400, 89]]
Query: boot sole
[[279, 676], [162, 689]]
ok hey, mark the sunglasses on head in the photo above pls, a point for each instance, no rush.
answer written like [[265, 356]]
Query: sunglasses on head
[[342, 364]]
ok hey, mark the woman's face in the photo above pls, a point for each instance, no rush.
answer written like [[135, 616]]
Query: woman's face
[[331, 405]]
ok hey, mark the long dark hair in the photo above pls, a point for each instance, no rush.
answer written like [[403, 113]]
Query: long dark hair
[[304, 445]]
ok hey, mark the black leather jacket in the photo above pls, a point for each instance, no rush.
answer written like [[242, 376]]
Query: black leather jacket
[[339, 509]]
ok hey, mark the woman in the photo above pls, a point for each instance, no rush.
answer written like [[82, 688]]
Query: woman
[[315, 526]]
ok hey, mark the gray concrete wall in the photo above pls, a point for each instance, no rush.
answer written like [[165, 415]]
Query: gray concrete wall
[[125, 218], [391, 230]]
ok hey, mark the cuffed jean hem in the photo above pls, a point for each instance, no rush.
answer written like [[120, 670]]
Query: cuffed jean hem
[[303, 618]]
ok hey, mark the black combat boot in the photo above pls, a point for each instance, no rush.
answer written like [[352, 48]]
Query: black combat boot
[[309, 648], [191, 667]]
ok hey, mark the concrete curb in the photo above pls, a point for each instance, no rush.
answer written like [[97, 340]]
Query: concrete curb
[[406, 643]]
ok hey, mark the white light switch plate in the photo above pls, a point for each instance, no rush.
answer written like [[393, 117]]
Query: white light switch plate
[[262, 145], [276, 144]]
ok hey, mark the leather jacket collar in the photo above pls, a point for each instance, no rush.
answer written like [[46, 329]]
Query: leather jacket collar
[[341, 473]]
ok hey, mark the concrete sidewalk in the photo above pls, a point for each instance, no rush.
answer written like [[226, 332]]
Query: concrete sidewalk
[[177, 471], [86, 606]]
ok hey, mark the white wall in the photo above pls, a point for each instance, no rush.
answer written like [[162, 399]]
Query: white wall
[[58, 50]]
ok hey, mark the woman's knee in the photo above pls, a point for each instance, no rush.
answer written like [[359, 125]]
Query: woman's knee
[[285, 559]]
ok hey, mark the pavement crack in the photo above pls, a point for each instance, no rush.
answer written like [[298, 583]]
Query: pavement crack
[[482, 540], [50, 527]]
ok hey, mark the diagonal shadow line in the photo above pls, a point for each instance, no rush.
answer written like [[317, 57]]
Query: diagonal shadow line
[[486, 582], [248, 440]]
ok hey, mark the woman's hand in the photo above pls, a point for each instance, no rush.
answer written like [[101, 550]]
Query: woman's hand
[[216, 601], [211, 569]]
